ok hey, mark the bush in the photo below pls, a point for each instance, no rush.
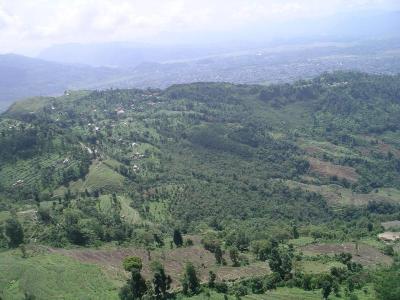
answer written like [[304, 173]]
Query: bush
[[221, 287], [257, 286], [388, 250], [132, 262], [240, 290]]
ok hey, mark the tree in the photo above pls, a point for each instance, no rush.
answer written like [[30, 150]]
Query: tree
[[262, 249], [257, 286], [134, 288], [234, 256], [132, 262], [281, 260], [14, 232], [326, 289], [218, 255], [161, 281], [211, 279], [344, 258], [178, 240], [295, 232], [190, 282]]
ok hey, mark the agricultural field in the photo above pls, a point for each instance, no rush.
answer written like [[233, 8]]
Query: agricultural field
[[51, 276]]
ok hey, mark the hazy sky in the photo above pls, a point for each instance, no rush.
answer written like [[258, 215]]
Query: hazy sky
[[26, 26]]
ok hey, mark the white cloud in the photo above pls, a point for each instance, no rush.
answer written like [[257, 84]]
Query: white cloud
[[28, 25]]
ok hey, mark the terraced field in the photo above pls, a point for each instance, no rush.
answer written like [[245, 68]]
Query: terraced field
[[173, 260], [100, 177], [23, 171], [366, 255]]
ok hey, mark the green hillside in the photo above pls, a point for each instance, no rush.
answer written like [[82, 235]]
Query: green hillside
[[307, 170]]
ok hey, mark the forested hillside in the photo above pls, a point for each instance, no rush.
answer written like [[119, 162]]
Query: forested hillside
[[282, 173]]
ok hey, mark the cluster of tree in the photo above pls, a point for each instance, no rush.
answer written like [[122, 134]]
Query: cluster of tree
[[158, 288], [136, 286], [11, 233], [80, 221]]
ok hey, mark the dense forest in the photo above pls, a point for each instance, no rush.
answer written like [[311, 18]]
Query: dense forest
[[254, 174]]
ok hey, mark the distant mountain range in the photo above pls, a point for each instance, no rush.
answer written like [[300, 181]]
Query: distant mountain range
[[22, 77], [184, 46]]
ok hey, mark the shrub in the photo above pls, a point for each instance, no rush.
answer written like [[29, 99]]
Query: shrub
[[132, 262]]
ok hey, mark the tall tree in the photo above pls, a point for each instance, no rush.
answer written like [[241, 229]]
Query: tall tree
[[326, 289], [178, 240], [190, 282], [234, 255], [295, 232], [14, 232], [161, 282], [134, 288], [211, 279], [218, 255]]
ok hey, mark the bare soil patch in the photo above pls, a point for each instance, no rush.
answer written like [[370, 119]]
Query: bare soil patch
[[328, 169], [312, 150], [367, 255], [389, 236], [174, 261], [386, 148], [390, 224]]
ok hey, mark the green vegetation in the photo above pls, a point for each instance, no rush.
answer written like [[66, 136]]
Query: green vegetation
[[278, 175], [49, 276]]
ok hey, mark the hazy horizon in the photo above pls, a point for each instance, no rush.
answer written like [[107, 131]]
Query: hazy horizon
[[28, 28]]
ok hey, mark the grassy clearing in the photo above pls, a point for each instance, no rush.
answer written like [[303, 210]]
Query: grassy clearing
[[4, 215], [128, 213], [28, 105], [103, 177], [315, 267], [52, 276], [100, 177], [158, 211], [302, 241]]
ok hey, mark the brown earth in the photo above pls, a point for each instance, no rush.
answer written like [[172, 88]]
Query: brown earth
[[174, 261], [367, 255], [390, 224], [389, 236], [382, 148], [385, 148], [312, 150], [328, 169]]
